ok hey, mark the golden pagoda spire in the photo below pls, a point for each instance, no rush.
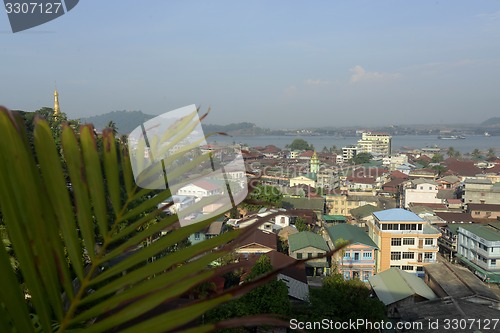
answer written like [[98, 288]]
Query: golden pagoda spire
[[57, 111]]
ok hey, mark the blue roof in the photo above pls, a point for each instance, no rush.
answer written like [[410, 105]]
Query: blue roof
[[397, 214]]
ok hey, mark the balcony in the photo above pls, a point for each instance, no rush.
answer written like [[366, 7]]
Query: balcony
[[352, 262]]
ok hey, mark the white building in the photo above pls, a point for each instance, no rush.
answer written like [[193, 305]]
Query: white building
[[479, 248], [377, 144], [202, 188], [421, 191], [349, 152]]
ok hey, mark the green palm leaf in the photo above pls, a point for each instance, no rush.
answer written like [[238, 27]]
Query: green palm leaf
[[78, 235]]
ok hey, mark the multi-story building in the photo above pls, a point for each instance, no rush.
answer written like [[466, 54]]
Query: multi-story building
[[356, 260], [349, 152], [479, 249], [404, 240], [342, 204], [421, 191], [377, 144], [481, 191], [307, 244]]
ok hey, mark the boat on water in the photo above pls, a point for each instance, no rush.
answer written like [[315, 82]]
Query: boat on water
[[487, 134], [451, 137]]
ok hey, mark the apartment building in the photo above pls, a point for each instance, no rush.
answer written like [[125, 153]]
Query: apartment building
[[481, 191], [356, 260], [479, 249], [404, 240], [421, 191], [377, 144]]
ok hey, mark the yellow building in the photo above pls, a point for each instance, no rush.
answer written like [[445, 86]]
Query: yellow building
[[342, 204], [404, 240]]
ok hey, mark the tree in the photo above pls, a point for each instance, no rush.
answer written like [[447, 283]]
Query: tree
[[301, 225], [491, 154], [111, 124], [300, 144], [437, 158], [362, 158], [270, 298], [266, 196], [476, 153], [452, 152], [50, 237], [440, 169], [340, 300]]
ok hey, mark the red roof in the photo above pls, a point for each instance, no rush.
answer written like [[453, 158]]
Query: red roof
[[307, 153], [259, 237], [483, 207], [462, 168], [398, 174], [206, 185]]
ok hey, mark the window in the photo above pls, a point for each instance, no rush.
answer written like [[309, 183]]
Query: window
[[197, 236], [366, 276], [356, 255], [367, 255], [395, 266], [421, 187], [407, 268], [299, 255], [420, 269], [493, 262], [429, 255], [477, 213], [309, 255], [429, 241], [395, 255], [396, 241], [408, 241], [408, 255], [347, 255], [347, 276]]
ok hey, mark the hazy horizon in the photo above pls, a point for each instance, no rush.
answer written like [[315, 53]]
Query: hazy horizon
[[273, 63]]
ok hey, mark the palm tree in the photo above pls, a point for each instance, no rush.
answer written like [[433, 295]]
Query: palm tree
[[452, 152], [476, 153], [112, 125], [79, 245], [491, 154]]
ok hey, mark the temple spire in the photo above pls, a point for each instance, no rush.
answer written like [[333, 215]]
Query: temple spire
[[57, 111]]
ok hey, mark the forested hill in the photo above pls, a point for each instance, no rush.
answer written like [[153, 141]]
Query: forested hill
[[492, 122], [125, 121]]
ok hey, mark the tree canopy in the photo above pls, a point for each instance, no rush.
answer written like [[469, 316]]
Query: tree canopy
[[362, 158], [300, 144], [341, 300]]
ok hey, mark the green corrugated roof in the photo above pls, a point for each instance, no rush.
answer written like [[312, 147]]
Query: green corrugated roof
[[363, 211], [487, 232], [334, 218], [394, 285], [350, 233], [492, 276], [306, 238]]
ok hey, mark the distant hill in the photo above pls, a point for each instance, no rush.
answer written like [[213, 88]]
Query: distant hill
[[492, 122], [238, 129], [125, 121]]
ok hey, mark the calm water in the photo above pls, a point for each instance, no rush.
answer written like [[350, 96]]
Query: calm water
[[410, 141]]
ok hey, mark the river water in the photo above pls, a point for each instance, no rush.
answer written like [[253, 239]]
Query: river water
[[466, 145]]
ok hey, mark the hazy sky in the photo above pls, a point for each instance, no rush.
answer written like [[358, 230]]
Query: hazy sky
[[275, 63]]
